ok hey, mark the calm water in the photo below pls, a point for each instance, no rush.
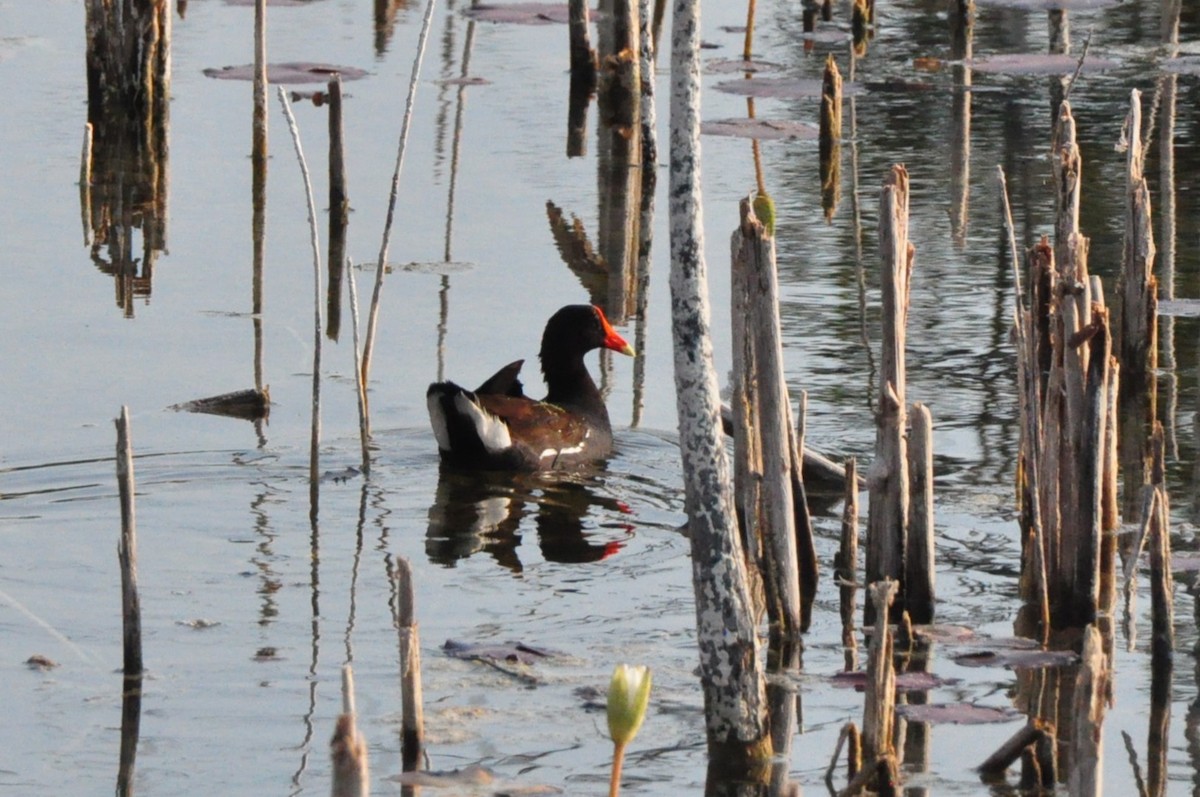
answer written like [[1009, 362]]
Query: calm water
[[592, 568]]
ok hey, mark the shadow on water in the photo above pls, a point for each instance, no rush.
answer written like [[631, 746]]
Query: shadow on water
[[490, 513]]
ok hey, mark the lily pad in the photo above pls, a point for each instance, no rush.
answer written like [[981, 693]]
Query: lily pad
[[283, 3], [778, 88], [1051, 5], [464, 81], [1039, 64], [956, 713], [1185, 562], [289, 73], [1018, 659], [761, 129], [521, 13], [724, 66], [1185, 65], [510, 652], [905, 681], [1180, 308]]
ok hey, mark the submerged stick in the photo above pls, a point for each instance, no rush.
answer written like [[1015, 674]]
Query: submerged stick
[[381, 265], [315, 442], [131, 610]]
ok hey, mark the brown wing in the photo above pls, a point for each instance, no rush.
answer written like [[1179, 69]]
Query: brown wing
[[545, 430]]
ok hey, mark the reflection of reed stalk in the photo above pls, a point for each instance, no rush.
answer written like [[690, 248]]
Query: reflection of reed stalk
[[748, 46], [373, 316], [313, 459]]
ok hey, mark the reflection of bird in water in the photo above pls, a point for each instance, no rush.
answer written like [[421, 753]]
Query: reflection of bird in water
[[496, 427], [475, 512]]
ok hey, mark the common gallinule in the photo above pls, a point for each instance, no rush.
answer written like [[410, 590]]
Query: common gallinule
[[496, 427]]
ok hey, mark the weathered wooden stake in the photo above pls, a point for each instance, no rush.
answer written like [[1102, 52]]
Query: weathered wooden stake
[[732, 679], [754, 254], [131, 610]]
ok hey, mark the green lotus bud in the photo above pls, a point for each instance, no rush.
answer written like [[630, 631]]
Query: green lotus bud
[[764, 208], [628, 696]]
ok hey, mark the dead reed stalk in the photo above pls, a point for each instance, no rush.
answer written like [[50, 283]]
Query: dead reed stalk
[[131, 610], [381, 264], [314, 451]]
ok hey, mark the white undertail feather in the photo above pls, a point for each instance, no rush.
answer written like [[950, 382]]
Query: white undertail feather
[[492, 431], [437, 419]]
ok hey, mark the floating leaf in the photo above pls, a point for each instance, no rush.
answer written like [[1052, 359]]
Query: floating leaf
[[1051, 5], [464, 81], [1185, 65], [1180, 308], [956, 713], [1017, 659], [474, 775], [39, 662], [249, 404], [721, 66], [511, 652], [271, 2], [905, 681], [522, 13], [944, 633], [780, 88], [762, 129], [1039, 64], [1185, 562], [289, 73]]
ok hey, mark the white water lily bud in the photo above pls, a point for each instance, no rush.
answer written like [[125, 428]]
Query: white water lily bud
[[628, 696]]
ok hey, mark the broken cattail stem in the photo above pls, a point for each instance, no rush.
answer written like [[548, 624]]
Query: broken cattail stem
[[830, 137], [919, 593], [1138, 296], [879, 711], [348, 748], [1091, 691], [887, 524], [846, 564], [339, 210], [754, 254], [583, 57], [131, 611], [1162, 584], [412, 729], [364, 424], [806, 548], [1011, 750]]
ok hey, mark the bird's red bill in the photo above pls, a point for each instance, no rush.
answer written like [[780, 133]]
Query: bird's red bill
[[612, 340]]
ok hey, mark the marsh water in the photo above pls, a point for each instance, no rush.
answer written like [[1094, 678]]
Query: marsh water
[[250, 610]]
